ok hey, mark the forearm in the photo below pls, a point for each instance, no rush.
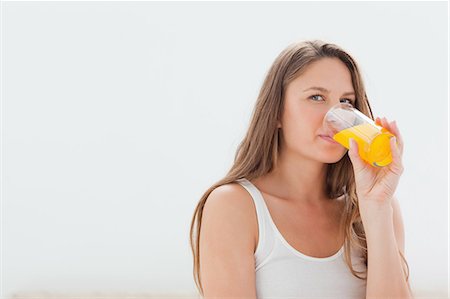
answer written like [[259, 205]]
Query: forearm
[[385, 278]]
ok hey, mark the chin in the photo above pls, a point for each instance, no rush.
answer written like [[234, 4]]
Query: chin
[[330, 158]]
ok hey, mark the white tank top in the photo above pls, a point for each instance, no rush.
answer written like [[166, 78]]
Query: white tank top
[[284, 272]]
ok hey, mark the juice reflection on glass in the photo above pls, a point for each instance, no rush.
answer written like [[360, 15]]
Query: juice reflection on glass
[[343, 122]]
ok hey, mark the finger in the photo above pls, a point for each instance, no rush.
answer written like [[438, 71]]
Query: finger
[[382, 122], [399, 137], [386, 124], [392, 128], [377, 121], [397, 132], [396, 166], [353, 153]]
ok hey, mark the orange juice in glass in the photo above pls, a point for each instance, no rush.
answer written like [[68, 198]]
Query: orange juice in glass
[[343, 122]]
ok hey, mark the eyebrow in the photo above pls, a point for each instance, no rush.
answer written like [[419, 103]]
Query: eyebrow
[[349, 93]]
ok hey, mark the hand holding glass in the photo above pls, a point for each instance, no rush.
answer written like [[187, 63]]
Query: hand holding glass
[[343, 122]]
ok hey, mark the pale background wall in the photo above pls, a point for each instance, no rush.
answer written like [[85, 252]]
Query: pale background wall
[[117, 116]]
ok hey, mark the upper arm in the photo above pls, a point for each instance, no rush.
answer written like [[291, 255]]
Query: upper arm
[[227, 242]]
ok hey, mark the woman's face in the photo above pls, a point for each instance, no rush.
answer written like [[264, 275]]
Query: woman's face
[[323, 84]]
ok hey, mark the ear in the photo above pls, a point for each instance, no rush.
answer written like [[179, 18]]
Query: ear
[[278, 124]]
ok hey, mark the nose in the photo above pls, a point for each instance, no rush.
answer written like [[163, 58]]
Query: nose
[[338, 117]]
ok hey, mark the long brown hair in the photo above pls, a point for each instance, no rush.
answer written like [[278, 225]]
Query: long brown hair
[[257, 153]]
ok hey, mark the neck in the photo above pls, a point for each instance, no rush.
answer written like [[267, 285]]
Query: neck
[[298, 179]]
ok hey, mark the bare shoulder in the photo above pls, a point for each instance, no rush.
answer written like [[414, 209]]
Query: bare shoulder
[[227, 264], [232, 197], [232, 204]]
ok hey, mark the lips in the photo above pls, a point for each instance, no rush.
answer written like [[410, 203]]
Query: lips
[[328, 138]]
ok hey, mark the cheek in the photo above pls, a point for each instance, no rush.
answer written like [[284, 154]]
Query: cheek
[[300, 128], [304, 120]]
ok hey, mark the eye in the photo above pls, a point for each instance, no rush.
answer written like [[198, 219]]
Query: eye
[[314, 97], [349, 101]]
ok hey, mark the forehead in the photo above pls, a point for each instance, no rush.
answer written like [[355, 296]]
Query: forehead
[[330, 73]]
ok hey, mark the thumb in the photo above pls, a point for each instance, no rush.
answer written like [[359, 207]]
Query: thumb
[[353, 153]]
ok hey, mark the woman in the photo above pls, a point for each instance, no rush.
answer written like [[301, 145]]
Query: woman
[[297, 215]]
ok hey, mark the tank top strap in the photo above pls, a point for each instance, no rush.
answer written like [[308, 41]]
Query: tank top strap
[[265, 236]]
